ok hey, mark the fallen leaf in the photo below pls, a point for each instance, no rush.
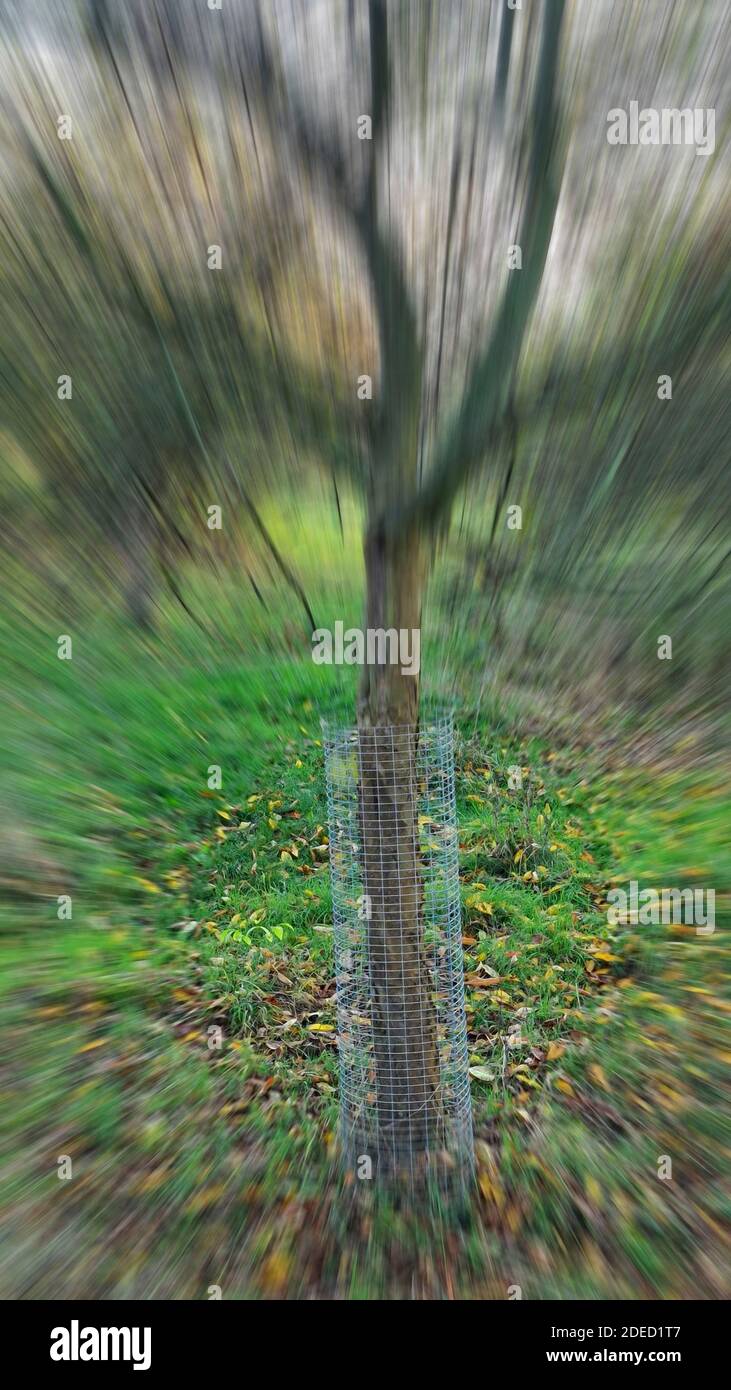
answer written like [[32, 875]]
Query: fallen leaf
[[593, 1191], [275, 1271], [597, 1074]]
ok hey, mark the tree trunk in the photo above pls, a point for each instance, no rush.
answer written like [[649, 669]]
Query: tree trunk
[[139, 566], [403, 1009]]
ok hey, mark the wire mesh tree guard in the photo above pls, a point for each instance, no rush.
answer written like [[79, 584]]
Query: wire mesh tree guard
[[405, 1109]]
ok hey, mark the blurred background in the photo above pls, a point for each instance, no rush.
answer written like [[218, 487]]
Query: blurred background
[[202, 262]]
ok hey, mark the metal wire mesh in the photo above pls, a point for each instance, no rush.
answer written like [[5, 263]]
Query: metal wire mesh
[[404, 1082]]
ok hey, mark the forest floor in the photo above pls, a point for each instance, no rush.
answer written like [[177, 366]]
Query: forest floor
[[206, 1160]]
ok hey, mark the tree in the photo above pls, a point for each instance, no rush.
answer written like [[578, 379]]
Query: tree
[[404, 512]]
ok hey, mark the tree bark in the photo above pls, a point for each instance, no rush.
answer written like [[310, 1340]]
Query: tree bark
[[402, 1004]]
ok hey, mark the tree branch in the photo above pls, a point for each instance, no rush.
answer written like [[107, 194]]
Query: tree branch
[[316, 147], [400, 349], [503, 59], [488, 390]]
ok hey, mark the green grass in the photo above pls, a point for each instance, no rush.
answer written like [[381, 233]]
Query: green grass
[[596, 1051]]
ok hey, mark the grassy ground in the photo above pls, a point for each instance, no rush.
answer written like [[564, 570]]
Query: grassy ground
[[176, 1038]]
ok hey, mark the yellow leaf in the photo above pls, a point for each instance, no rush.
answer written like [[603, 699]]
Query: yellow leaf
[[275, 1271], [90, 1046], [598, 1074], [672, 1010], [513, 1218], [148, 886], [564, 1086], [205, 1198], [152, 1181], [555, 1050], [321, 1028], [491, 1190], [593, 1191]]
